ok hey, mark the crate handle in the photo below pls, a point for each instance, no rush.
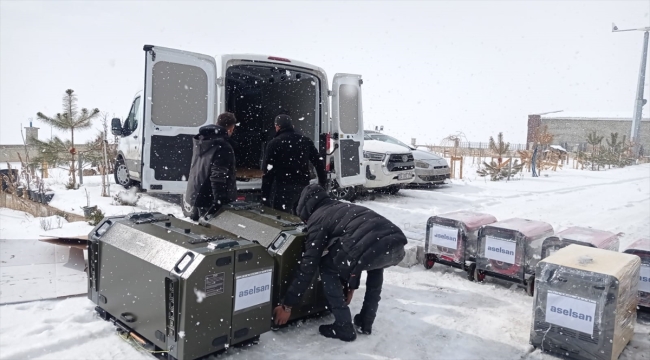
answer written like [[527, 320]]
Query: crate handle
[[191, 255]]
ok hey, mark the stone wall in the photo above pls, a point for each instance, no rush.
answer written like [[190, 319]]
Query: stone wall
[[574, 131]]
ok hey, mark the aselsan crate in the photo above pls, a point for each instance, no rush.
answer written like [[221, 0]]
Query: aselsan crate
[[641, 248], [585, 303], [510, 249], [452, 238], [580, 236]]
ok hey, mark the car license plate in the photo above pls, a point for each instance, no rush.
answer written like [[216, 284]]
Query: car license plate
[[404, 176]]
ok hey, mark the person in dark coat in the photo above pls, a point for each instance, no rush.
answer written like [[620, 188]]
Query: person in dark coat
[[212, 183], [286, 166], [343, 240]]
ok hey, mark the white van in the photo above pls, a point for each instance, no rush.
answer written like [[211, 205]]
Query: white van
[[184, 91]]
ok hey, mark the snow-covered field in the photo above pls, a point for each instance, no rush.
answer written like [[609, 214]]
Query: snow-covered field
[[434, 314]]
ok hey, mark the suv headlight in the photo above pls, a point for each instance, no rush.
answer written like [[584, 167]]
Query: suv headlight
[[421, 164], [373, 156]]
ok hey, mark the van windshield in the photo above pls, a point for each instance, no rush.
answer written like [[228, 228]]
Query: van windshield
[[256, 94]]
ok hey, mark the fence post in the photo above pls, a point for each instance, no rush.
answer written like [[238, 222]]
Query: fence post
[[81, 176]]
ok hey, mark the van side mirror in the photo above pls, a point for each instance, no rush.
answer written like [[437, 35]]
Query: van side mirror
[[116, 127]]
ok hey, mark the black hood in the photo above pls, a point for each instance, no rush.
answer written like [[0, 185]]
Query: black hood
[[211, 130], [288, 130], [312, 197], [208, 135]]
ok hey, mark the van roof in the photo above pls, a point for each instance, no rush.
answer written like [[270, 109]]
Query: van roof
[[272, 59]]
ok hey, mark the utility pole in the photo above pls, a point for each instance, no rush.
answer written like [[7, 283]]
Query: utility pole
[[640, 101]]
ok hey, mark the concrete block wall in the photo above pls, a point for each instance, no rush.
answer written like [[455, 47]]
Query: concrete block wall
[[575, 131]]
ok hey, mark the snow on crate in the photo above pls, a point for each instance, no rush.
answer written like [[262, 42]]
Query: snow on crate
[[581, 236]]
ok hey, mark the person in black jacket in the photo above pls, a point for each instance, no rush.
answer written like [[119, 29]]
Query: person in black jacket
[[286, 166], [343, 240], [212, 183]]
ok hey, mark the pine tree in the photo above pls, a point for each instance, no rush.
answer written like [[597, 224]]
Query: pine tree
[[594, 140], [499, 148], [70, 119]]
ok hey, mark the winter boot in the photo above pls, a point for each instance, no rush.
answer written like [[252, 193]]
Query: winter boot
[[344, 332], [361, 324]]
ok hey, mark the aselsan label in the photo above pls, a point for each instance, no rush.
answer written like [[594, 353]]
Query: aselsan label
[[500, 249], [253, 289], [644, 278], [444, 236], [570, 312]]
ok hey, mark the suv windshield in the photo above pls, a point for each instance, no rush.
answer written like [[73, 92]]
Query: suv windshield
[[388, 139]]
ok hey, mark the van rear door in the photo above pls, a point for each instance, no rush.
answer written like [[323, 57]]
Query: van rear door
[[179, 98], [347, 128]]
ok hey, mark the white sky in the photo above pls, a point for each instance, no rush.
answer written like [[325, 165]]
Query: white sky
[[430, 68]]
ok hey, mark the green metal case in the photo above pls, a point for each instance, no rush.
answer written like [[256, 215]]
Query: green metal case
[[282, 234], [186, 289]]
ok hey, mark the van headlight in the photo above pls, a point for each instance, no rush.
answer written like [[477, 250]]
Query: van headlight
[[373, 156], [421, 164]]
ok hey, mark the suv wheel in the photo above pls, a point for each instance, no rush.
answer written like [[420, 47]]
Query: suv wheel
[[344, 193]]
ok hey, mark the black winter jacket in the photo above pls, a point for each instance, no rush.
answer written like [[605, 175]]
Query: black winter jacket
[[287, 160], [365, 240], [212, 174]]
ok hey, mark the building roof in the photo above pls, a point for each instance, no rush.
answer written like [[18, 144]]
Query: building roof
[[592, 115]]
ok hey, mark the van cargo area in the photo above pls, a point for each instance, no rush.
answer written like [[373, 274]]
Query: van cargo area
[[256, 94]]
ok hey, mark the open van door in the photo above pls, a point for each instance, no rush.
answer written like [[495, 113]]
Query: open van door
[[347, 128], [179, 98]]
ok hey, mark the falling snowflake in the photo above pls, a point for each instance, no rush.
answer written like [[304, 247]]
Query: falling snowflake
[[200, 295]]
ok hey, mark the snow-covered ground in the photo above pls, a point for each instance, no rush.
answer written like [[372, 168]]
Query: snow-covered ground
[[423, 314]]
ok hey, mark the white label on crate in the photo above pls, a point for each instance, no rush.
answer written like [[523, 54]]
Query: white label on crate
[[500, 249], [253, 289], [570, 312], [644, 278], [444, 236]]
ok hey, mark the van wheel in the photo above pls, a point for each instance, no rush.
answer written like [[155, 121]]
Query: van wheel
[[189, 211], [122, 174]]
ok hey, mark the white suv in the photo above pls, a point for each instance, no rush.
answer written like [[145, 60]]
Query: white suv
[[430, 169], [388, 167]]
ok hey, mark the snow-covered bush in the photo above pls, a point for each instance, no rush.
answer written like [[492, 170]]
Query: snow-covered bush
[[127, 197], [51, 222]]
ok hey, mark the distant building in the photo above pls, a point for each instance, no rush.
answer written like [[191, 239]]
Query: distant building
[[570, 130], [9, 153]]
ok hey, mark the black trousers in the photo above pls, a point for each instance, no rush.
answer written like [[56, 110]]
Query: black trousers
[[335, 295], [374, 283], [285, 197]]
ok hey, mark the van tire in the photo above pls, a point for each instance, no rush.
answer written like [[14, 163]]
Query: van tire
[[121, 174], [189, 211]]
